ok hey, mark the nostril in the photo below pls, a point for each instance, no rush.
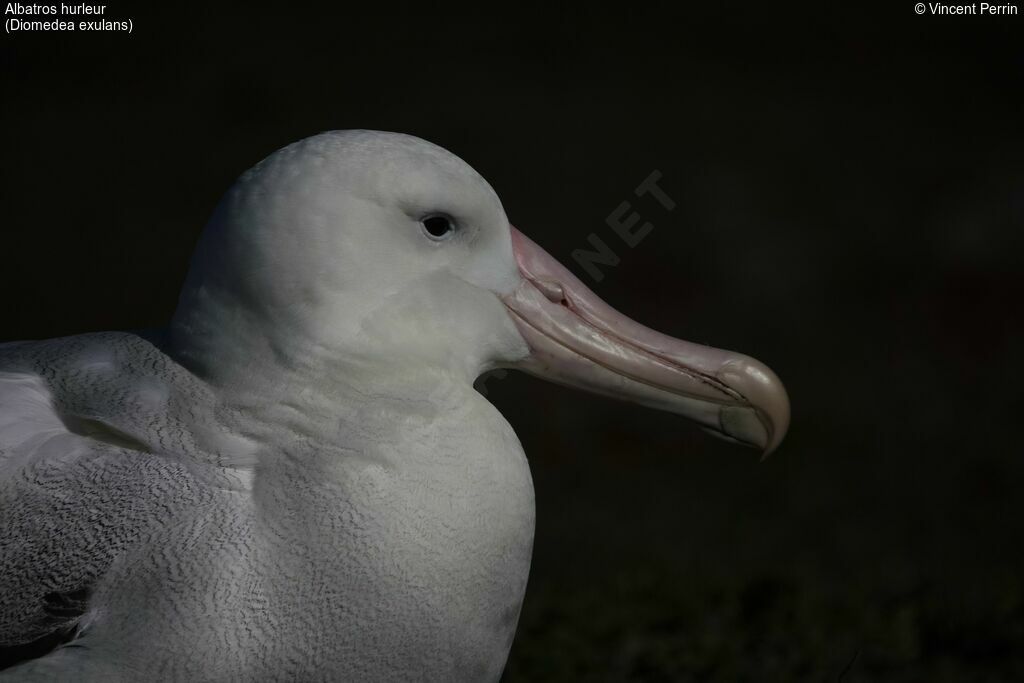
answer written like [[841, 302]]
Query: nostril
[[553, 291]]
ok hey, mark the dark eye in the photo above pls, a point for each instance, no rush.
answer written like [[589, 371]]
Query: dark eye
[[438, 226]]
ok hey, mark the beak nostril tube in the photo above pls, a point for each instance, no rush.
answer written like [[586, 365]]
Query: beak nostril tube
[[552, 290]]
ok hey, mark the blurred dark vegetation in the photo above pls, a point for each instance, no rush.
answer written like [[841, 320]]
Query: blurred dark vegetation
[[850, 190]]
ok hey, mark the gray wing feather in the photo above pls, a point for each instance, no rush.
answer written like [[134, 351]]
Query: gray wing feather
[[98, 449]]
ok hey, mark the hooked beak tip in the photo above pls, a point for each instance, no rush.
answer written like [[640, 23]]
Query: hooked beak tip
[[763, 421]]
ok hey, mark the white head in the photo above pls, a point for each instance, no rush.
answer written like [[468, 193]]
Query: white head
[[357, 253], [354, 246]]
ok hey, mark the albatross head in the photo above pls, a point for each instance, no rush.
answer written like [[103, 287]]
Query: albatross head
[[361, 253]]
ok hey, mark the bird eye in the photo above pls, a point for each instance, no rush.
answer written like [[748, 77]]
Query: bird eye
[[438, 227]]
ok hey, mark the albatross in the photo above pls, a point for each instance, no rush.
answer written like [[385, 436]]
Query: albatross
[[295, 479]]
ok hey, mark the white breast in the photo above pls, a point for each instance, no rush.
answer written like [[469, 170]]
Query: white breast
[[400, 552]]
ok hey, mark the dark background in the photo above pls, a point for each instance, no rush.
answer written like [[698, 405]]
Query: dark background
[[850, 194]]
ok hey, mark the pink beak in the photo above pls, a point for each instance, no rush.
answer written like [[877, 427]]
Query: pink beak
[[578, 340]]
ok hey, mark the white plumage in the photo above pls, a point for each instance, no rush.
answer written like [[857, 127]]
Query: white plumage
[[296, 480]]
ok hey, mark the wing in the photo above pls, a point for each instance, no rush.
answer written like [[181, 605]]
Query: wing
[[97, 452], [32, 439]]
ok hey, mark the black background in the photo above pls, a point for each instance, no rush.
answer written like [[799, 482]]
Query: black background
[[850, 194]]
